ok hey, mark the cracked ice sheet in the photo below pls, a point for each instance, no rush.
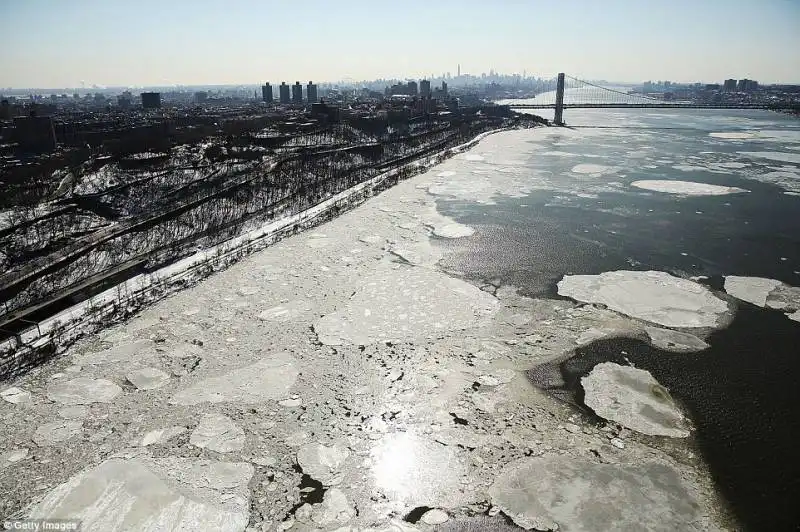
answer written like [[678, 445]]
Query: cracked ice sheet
[[405, 304]]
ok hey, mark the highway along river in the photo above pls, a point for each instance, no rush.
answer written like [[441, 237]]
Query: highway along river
[[698, 194]]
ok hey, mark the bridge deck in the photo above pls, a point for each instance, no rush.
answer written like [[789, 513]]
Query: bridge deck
[[653, 106]]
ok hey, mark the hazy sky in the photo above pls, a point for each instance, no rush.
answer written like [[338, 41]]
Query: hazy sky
[[61, 43]]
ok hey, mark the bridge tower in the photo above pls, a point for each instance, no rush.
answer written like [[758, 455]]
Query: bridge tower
[[559, 116]]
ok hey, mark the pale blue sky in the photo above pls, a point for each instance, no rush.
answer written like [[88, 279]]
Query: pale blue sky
[[61, 43]]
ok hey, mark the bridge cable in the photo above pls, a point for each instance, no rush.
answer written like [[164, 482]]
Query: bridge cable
[[612, 90]]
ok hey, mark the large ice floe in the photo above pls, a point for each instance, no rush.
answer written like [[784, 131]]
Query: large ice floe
[[149, 495], [268, 378], [403, 304], [634, 399], [653, 296], [685, 188], [566, 493], [767, 293]]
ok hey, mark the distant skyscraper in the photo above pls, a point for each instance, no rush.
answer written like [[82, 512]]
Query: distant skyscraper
[[459, 70], [730, 85], [284, 92], [297, 93], [266, 92], [200, 96], [311, 92], [425, 88], [746, 85], [151, 100], [444, 88], [412, 88]]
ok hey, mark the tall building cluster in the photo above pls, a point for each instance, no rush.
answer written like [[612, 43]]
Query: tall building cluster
[[742, 85], [423, 90], [290, 94]]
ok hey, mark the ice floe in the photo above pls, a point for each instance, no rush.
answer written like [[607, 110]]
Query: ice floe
[[161, 435], [147, 378], [83, 391], [405, 304], [653, 296], [686, 188], [270, 378], [561, 493], [16, 396], [751, 289], [763, 292], [285, 312], [732, 135], [160, 495], [634, 399], [675, 341], [453, 230], [323, 463], [56, 432], [218, 433], [593, 169], [408, 468]]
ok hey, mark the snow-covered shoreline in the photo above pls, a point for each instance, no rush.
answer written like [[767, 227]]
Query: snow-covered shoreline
[[128, 297]]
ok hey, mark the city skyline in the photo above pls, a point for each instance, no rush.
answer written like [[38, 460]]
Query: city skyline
[[88, 42]]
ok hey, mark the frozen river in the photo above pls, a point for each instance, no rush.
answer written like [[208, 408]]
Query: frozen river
[[543, 330], [693, 193]]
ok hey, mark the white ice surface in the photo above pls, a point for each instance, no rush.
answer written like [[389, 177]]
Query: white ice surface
[[685, 188], [653, 296], [751, 289]]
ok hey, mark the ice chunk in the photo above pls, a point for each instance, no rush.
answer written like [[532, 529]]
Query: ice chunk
[[285, 312], [685, 188], [430, 301], [677, 342], [732, 135], [149, 496], [55, 432], [453, 230], [751, 289], [269, 378], [147, 378], [322, 463], [335, 509], [218, 433], [561, 493], [123, 353], [634, 399], [73, 412], [161, 435], [435, 516], [415, 471], [12, 457], [652, 296], [592, 169], [16, 396], [83, 391]]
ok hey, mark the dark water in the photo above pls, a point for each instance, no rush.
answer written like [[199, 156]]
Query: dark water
[[743, 393]]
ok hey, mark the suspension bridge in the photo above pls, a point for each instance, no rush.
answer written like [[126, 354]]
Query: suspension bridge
[[574, 93]]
